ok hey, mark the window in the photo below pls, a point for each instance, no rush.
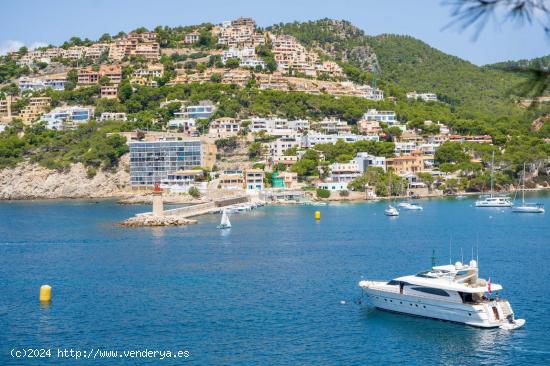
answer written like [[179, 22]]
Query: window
[[432, 291]]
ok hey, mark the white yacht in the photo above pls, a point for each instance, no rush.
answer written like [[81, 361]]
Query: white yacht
[[450, 292], [391, 211], [527, 207], [493, 200], [409, 206]]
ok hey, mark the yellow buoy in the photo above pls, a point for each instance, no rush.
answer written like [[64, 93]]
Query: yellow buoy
[[45, 293], [317, 215]]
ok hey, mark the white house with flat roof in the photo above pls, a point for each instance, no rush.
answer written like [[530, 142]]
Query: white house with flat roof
[[388, 117], [314, 138], [365, 160]]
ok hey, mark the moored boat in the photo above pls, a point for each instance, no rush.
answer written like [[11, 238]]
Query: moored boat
[[449, 292], [527, 207]]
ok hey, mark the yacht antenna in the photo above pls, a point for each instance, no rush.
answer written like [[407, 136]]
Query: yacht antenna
[[461, 256], [450, 240], [433, 258], [477, 249]]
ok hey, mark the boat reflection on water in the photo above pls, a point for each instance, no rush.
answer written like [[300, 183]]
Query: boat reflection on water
[[458, 345]]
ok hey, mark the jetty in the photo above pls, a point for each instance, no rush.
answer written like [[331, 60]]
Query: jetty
[[181, 215]]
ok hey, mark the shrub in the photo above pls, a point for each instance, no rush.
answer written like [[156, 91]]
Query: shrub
[[194, 192], [91, 172], [343, 193], [323, 193]]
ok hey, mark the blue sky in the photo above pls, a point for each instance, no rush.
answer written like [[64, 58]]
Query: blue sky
[[33, 22]]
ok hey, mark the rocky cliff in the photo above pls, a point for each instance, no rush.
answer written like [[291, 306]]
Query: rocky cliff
[[31, 181]]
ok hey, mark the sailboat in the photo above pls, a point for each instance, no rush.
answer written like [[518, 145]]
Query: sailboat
[[225, 223], [492, 200], [391, 210], [527, 207]]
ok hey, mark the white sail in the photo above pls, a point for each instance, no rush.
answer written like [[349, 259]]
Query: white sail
[[225, 223]]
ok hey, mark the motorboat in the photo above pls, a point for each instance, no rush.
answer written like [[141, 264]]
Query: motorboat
[[527, 207], [391, 211], [460, 197], [494, 201], [409, 206], [447, 292], [225, 223]]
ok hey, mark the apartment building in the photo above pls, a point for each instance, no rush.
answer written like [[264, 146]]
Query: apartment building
[[231, 180], [53, 82], [152, 161], [246, 55], [273, 125], [240, 33], [224, 127], [109, 91], [35, 107], [388, 117], [406, 164], [254, 179], [277, 148], [89, 76], [182, 180], [151, 71], [369, 127], [332, 126], [364, 160], [344, 172], [292, 56], [288, 180], [314, 138], [482, 139]]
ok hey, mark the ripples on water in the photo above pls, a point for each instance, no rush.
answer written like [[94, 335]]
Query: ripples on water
[[269, 290]]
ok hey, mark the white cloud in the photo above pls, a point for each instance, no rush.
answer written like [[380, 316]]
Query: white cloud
[[14, 45], [9, 46]]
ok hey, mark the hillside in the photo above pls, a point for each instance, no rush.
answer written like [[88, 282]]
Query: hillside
[[539, 62], [405, 64]]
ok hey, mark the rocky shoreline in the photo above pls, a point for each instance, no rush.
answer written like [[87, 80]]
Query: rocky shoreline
[[152, 221], [28, 181]]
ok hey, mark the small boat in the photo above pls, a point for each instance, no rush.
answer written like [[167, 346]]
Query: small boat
[[460, 197], [449, 292], [409, 206], [225, 223], [527, 207], [391, 211]]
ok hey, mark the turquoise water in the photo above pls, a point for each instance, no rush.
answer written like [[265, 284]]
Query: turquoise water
[[267, 292]]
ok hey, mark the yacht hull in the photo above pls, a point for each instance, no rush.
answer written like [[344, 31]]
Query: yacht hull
[[523, 209], [477, 315]]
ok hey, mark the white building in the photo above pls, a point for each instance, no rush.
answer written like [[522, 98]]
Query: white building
[[271, 125], [67, 117], [426, 97], [333, 186], [405, 148], [365, 160], [224, 127], [344, 172], [182, 122], [388, 117], [276, 149], [314, 138], [113, 116], [39, 84], [246, 55]]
